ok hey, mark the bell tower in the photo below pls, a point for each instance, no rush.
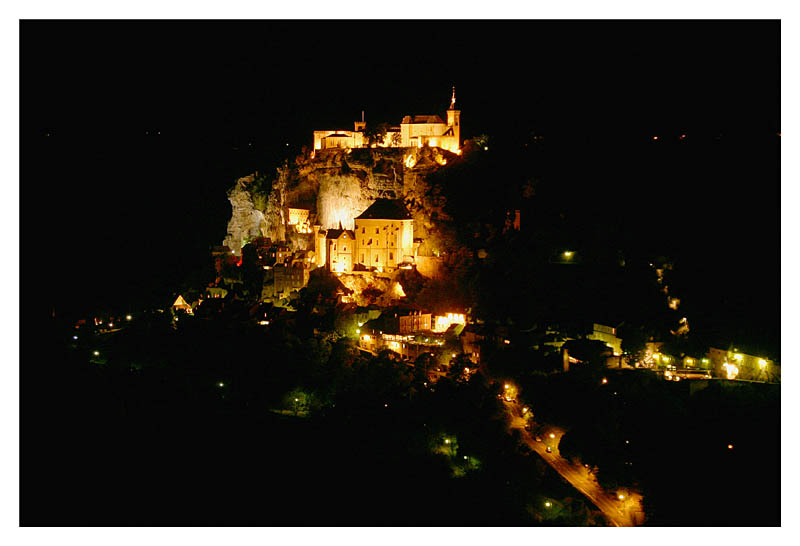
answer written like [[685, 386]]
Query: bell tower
[[454, 118]]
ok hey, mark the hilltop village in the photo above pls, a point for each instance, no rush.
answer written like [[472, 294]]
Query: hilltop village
[[399, 280], [355, 214]]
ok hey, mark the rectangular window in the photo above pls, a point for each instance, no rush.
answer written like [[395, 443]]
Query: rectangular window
[[377, 259], [363, 230], [345, 249], [391, 256], [362, 258], [377, 231]]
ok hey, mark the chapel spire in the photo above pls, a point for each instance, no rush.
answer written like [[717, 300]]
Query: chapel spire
[[453, 99]]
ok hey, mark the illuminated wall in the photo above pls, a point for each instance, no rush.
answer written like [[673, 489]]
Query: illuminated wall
[[443, 322], [607, 335], [383, 243], [340, 252]]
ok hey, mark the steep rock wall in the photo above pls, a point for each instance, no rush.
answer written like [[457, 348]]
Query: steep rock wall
[[336, 186]]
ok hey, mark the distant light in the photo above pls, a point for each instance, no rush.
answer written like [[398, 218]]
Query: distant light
[[296, 399], [505, 386], [465, 457], [730, 446], [386, 405], [524, 410], [233, 252], [454, 355], [97, 353], [447, 441], [627, 441], [548, 504], [604, 381], [74, 337], [486, 148], [762, 362], [358, 331], [568, 254], [621, 496], [128, 317], [552, 435], [220, 384], [110, 324], [655, 138], [738, 357], [507, 342]]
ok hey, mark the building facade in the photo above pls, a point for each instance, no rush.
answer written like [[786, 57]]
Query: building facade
[[414, 131]]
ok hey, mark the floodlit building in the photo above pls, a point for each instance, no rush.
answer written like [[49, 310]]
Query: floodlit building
[[384, 235], [340, 243], [181, 305], [414, 131], [607, 335], [299, 219]]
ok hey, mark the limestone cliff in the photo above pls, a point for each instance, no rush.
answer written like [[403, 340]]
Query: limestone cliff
[[246, 220], [336, 186]]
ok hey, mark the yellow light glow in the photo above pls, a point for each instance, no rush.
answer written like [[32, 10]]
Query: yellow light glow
[[365, 337], [128, 317], [604, 381], [548, 504], [506, 386], [705, 361], [730, 446], [410, 161], [552, 435], [621, 497], [738, 357], [466, 370], [732, 370], [96, 353], [447, 441], [689, 361], [762, 362]]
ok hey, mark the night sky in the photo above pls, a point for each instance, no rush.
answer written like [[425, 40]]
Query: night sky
[[133, 131]]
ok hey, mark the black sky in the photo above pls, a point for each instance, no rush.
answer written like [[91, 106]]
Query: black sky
[[112, 210]]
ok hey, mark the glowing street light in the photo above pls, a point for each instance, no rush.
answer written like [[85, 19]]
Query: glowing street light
[[604, 381], [762, 363], [730, 446], [568, 254], [74, 337], [220, 384], [552, 435], [621, 496], [447, 440], [128, 317], [96, 353], [548, 504], [505, 386]]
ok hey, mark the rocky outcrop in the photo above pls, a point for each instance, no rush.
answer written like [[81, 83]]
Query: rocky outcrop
[[246, 220], [336, 186]]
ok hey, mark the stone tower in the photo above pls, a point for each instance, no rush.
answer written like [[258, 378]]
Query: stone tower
[[454, 118]]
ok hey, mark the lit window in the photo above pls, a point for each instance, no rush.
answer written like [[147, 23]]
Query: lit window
[[363, 230]]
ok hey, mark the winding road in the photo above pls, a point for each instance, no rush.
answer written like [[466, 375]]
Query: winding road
[[625, 512]]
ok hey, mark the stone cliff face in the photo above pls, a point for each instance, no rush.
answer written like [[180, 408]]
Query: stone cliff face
[[336, 186], [246, 220]]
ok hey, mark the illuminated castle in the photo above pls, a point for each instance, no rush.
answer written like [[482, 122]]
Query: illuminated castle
[[413, 131]]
